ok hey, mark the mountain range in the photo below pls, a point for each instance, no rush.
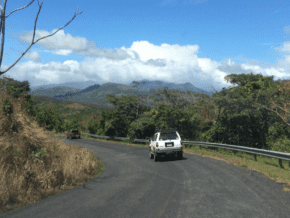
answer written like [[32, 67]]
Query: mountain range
[[157, 84], [94, 93], [76, 85]]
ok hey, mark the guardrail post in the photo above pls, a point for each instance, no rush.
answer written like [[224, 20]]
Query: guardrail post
[[255, 157], [280, 163], [111, 137], [234, 152]]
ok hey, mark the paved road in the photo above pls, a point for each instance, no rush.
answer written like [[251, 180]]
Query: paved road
[[135, 186]]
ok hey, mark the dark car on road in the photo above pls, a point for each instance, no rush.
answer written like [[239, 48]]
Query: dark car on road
[[73, 134]]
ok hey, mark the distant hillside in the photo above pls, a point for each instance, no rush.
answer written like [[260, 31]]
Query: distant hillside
[[54, 91], [157, 84], [76, 85], [96, 94], [71, 94]]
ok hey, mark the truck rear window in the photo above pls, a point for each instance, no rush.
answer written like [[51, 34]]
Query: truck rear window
[[166, 136]]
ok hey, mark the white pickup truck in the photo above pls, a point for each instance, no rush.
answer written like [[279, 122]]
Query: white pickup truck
[[164, 142]]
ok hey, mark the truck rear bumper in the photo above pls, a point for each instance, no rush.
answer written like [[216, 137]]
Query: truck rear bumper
[[162, 151]]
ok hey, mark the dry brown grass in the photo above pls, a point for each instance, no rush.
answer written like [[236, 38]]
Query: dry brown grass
[[33, 164]]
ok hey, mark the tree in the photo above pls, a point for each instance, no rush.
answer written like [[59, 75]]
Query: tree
[[51, 119], [204, 108], [2, 30], [16, 89], [124, 112], [135, 86], [20, 88], [241, 123], [171, 97], [186, 114], [279, 97], [105, 126]]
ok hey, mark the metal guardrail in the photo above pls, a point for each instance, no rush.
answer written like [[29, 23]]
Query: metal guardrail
[[267, 153], [118, 138], [255, 151]]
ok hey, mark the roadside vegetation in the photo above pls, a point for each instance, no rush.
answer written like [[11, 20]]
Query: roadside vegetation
[[34, 164]]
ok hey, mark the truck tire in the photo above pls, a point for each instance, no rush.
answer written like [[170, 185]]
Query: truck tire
[[155, 157], [150, 155], [180, 155]]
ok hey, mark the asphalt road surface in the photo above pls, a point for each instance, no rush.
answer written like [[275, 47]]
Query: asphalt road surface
[[133, 185]]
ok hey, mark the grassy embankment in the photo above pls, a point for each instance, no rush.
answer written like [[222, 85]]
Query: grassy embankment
[[33, 164]]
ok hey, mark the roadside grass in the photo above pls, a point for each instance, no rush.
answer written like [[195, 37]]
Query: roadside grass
[[266, 166]]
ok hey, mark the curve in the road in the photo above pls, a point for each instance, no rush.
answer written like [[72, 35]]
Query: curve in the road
[[133, 185]]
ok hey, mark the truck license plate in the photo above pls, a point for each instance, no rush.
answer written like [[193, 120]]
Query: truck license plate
[[169, 144]]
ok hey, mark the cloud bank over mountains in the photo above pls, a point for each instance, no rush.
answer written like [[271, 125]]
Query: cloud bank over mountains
[[143, 60]]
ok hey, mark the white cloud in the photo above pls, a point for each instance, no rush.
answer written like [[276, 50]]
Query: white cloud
[[168, 2], [60, 43], [285, 47], [143, 60], [287, 29], [185, 2], [34, 56], [63, 52], [193, 2]]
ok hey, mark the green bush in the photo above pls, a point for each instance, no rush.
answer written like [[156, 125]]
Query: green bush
[[31, 108], [276, 130], [278, 137], [67, 124], [281, 144], [7, 107], [51, 119], [93, 126], [15, 88]]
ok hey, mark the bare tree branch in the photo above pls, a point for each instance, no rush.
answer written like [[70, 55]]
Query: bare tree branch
[[274, 105], [275, 112], [19, 8], [2, 29], [214, 89], [1, 6]]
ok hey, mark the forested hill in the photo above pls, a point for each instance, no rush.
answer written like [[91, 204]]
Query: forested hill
[[96, 94]]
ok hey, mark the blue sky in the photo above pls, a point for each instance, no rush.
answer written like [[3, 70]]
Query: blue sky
[[174, 41]]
